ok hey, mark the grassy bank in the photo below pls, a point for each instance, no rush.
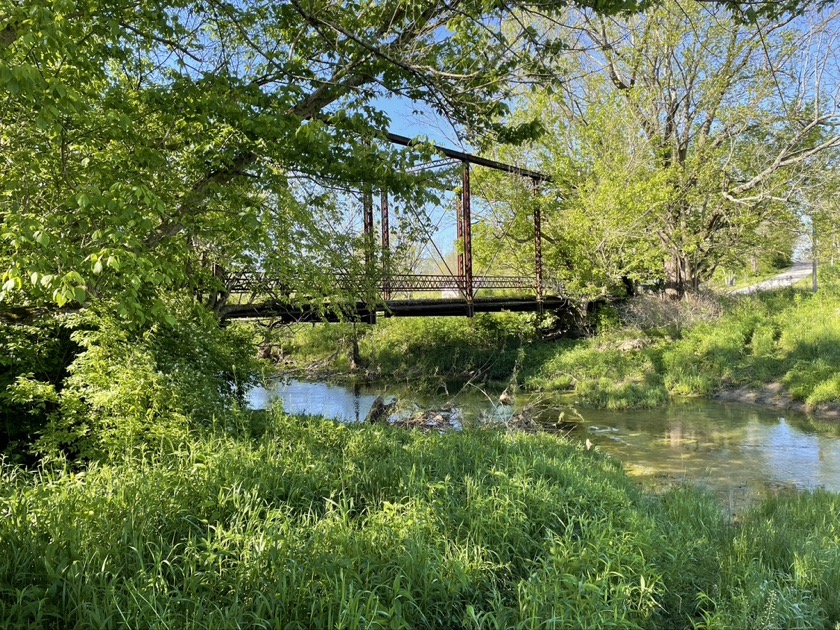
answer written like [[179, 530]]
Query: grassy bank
[[312, 524], [487, 345], [787, 339]]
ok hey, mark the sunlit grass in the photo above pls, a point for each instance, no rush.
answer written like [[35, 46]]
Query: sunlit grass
[[314, 524]]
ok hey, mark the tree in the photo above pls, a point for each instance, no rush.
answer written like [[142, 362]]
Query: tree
[[145, 147], [597, 233], [717, 114], [149, 150]]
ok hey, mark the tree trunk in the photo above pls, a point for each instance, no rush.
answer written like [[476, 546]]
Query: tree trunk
[[355, 355], [681, 277], [674, 286]]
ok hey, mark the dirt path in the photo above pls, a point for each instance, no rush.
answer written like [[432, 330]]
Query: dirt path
[[799, 271]]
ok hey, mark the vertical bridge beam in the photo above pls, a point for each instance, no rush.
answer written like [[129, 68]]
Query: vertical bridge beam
[[538, 264], [367, 205], [386, 246], [460, 213], [467, 227]]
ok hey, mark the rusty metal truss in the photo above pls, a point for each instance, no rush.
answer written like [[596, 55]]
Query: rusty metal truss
[[256, 291], [406, 283]]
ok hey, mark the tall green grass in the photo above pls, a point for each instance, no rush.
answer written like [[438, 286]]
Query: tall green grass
[[789, 337], [314, 525], [484, 346]]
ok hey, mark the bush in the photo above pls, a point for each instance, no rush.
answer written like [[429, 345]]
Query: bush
[[33, 366], [130, 387], [656, 311]]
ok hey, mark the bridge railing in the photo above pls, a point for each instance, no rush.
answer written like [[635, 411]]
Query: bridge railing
[[255, 282], [432, 282]]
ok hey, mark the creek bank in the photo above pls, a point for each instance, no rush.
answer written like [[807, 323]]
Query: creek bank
[[775, 396], [739, 453]]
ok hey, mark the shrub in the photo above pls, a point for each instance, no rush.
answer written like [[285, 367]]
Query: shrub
[[130, 387], [33, 366], [652, 312]]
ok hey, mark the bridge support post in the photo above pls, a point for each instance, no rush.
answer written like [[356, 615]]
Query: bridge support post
[[386, 246], [460, 215], [466, 219], [367, 205], [538, 264]]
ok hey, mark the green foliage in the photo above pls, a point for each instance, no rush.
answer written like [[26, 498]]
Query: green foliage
[[314, 524], [33, 365], [128, 388], [787, 337], [782, 567], [322, 525], [593, 213], [483, 346], [328, 347], [613, 370], [607, 319], [144, 149], [684, 170]]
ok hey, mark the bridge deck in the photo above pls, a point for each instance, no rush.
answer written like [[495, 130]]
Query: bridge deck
[[391, 308]]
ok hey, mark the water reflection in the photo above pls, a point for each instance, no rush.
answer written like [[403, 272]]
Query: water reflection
[[723, 446], [302, 398]]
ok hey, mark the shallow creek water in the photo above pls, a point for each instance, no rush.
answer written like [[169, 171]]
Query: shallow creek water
[[737, 451]]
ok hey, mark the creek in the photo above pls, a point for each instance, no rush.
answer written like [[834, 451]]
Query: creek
[[739, 452]]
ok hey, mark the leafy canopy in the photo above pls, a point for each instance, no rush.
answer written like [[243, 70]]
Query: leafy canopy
[[146, 146]]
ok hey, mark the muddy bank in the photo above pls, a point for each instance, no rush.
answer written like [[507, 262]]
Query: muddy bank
[[776, 396]]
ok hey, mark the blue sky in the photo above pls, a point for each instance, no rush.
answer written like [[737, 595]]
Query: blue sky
[[416, 119]]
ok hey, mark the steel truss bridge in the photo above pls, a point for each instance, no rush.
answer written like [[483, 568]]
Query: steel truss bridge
[[260, 296]]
